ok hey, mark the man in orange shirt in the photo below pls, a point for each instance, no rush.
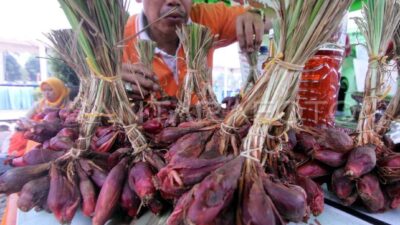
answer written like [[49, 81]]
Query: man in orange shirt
[[228, 24]]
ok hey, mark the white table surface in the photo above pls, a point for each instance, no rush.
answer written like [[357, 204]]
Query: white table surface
[[390, 217], [330, 216], [43, 218]]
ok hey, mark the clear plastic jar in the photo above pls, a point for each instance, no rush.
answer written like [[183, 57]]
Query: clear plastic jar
[[320, 82], [319, 88]]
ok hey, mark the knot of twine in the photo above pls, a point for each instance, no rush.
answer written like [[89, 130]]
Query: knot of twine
[[88, 115], [247, 154], [84, 141], [192, 71], [229, 130], [367, 116], [99, 75], [238, 112], [139, 146], [75, 153], [130, 128], [381, 59], [84, 138], [269, 121], [366, 131], [278, 59], [140, 149]]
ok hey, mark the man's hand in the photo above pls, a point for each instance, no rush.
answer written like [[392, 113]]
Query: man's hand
[[249, 31], [142, 81]]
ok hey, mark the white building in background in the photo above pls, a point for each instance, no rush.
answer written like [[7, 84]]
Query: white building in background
[[34, 48], [227, 77]]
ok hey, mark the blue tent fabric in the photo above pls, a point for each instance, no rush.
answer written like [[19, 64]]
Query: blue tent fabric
[[5, 102], [27, 97], [16, 98]]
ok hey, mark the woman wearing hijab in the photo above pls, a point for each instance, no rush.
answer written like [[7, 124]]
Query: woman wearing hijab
[[55, 95]]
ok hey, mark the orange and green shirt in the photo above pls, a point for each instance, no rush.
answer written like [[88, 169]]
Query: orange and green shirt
[[220, 18]]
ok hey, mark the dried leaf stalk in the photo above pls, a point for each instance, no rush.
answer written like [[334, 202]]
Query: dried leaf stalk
[[64, 43], [252, 58]]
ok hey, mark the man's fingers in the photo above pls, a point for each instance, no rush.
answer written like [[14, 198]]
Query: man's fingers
[[145, 83], [249, 35], [139, 69], [137, 90], [140, 74], [249, 29], [240, 33]]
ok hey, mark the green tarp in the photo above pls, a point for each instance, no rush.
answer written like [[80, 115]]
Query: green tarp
[[356, 5], [227, 2]]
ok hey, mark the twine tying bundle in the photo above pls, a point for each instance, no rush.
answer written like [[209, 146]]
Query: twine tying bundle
[[139, 146], [97, 74], [269, 121], [94, 115], [278, 59], [381, 59], [192, 70], [75, 153], [248, 154], [229, 130]]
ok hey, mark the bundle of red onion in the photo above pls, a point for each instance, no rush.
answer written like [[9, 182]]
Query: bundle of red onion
[[358, 172], [353, 172], [193, 147], [262, 199], [81, 167], [379, 23], [276, 113], [59, 191], [358, 178], [255, 199], [197, 41], [389, 168]]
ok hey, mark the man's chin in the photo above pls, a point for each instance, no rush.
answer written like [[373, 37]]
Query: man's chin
[[174, 22], [168, 27]]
